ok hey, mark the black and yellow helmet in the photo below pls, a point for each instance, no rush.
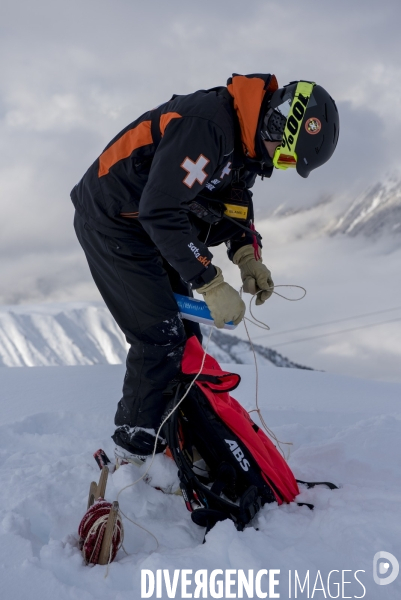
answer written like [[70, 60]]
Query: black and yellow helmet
[[304, 117]]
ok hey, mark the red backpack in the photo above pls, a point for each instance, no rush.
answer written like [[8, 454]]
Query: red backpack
[[228, 468]]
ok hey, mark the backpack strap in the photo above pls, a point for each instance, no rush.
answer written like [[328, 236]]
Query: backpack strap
[[310, 506], [312, 484], [199, 497], [223, 382]]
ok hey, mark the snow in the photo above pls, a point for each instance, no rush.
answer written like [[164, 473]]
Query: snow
[[53, 334], [85, 333], [343, 429], [376, 213]]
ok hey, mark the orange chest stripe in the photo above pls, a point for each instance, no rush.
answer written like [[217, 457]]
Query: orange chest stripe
[[131, 140], [165, 120]]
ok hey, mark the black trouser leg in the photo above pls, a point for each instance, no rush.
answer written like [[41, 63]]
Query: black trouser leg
[[136, 288]]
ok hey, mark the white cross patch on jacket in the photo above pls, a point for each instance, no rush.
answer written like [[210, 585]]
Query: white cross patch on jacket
[[194, 170]]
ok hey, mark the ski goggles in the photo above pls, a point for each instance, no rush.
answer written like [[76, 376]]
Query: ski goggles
[[293, 109]]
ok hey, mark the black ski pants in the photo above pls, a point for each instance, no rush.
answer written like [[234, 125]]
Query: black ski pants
[[137, 285]]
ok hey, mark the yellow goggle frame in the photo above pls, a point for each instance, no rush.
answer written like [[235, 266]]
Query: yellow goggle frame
[[285, 156]]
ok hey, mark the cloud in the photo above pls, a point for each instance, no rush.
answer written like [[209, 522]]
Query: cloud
[[42, 276], [74, 74], [361, 158]]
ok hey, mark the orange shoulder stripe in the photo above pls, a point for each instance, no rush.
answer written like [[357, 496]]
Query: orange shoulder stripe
[[122, 148], [165, 120]]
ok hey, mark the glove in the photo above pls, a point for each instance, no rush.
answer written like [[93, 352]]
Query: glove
[[256, 277], [224, 302]]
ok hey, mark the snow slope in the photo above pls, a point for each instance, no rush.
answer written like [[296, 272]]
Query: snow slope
[[84, 333], [59, 334], [375, 213], [342, 429]]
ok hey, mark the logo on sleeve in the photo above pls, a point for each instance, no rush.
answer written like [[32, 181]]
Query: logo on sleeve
[[202, 259], [194, 170], [226, 170]]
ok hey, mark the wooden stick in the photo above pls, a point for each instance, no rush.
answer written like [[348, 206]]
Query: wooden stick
[[101, 488], [98, 490], [92, 494], [104, 555]]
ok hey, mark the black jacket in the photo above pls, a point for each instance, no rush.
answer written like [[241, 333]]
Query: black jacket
[[183, 171]]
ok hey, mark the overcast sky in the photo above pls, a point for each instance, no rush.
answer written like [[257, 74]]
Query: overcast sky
[[74, 73]]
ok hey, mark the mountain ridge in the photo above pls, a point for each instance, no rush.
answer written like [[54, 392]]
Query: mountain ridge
[[84, 333], [373, 214]]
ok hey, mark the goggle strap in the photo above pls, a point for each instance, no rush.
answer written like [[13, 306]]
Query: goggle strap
[[284, 155]]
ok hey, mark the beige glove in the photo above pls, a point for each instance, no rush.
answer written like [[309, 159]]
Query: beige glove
[[224, 302], [255, 276]]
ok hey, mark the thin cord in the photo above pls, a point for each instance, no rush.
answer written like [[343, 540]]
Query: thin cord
[[262, 325], [269, 432], [289, 286], [116, 527], [315, 337], [257, 409], [371, 314]]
